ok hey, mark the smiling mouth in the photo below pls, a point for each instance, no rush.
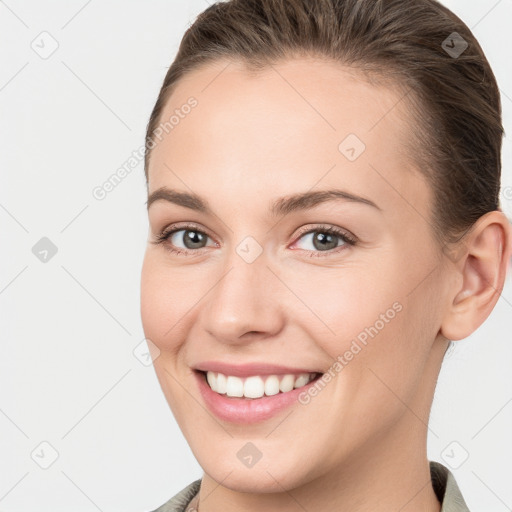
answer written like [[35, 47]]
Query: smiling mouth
[[256, 386]]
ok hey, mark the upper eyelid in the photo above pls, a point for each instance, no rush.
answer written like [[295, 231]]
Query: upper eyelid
[[325, 227], [186, 226], [302, 231]]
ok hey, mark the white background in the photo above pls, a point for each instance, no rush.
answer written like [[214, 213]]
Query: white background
[[68, 375]]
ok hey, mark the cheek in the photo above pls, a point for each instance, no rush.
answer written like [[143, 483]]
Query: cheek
[[154, 301], [162, 307], [341, 304], [167, 297], [366, 319]]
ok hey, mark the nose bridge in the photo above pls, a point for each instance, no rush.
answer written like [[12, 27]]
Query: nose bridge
[[245, 298]]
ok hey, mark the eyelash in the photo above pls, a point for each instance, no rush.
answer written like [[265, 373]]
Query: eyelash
[[349, 240]]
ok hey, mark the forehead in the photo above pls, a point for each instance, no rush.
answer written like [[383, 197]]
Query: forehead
[[287, 126]]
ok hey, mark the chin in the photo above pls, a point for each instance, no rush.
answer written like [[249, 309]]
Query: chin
[[265, 476]]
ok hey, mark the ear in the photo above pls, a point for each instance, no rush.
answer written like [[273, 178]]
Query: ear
[[481, 265]]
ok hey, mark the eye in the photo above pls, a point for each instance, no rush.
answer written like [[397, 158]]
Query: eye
[[325, 239], [322, 239], [185, 239]]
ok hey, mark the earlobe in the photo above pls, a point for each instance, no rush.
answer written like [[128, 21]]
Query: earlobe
[[482, 269]]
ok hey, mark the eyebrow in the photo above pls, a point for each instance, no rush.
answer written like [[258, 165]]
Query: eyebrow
[[280, 207]]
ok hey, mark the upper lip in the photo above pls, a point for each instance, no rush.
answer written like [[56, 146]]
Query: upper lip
[[248, 369]]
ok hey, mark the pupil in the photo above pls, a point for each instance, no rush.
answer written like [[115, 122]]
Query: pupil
[[192, 238], [322, 241]]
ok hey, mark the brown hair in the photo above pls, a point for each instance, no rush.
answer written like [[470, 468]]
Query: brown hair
[[455, 102]]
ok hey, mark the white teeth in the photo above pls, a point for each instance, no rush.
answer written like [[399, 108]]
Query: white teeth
[[272, 385], [234, 386], [212, 379], [287, 383], [221, 383], [256, 386], [301, 380]]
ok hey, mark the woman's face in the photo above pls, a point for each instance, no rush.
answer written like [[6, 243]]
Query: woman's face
[[258, 281]]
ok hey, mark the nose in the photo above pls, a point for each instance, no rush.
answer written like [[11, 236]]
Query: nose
[[247, 302]]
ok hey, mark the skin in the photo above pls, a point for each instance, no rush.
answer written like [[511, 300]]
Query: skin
[[360, 444]]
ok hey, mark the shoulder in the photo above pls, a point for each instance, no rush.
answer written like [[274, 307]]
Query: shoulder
[[446, 489], [179, 502]]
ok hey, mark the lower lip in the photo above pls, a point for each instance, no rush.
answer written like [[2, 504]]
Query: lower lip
[[247, 410]]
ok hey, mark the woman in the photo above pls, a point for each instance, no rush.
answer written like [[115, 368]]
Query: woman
[[323, 181]]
